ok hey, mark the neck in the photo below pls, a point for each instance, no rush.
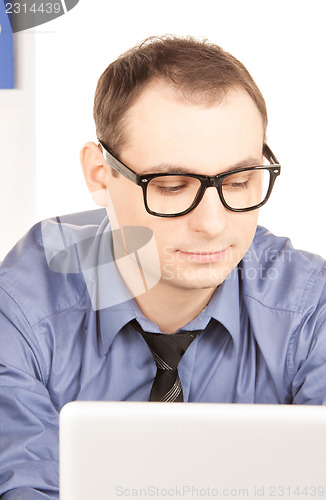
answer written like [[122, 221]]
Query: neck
[[172, 309]]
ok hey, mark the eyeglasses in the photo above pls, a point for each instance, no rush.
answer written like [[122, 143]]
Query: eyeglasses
[[176, 194]]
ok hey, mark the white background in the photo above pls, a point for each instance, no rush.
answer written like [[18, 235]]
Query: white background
[[281, 42]]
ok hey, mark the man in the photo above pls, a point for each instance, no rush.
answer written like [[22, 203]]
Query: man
[[90, 304]]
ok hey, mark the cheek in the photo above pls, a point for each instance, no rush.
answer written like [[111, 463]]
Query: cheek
[[246, 226], [127, 202]]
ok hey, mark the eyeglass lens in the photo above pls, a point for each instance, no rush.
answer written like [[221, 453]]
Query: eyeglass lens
[[173, 194]]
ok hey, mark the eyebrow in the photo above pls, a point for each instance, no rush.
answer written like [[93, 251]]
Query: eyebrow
[[165, 168]]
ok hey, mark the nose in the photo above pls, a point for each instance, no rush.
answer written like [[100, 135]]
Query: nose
[[210, 216]]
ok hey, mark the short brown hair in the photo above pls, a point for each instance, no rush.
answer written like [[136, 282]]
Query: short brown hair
[[202, 71]]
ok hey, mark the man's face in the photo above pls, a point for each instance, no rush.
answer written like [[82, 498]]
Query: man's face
[[197, 250]]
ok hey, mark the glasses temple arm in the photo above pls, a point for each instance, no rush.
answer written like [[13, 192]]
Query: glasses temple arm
[[118, 166], [268, 153]]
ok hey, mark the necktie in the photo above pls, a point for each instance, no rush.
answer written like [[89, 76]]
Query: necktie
[[167, 350]]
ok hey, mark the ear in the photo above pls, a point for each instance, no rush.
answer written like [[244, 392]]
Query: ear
[[95, 172]]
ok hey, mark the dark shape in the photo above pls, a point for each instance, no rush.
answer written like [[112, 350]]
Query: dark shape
[[70, 4], [28, 14]]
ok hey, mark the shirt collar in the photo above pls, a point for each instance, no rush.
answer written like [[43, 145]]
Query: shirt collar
[[223, 307], [112, 320]]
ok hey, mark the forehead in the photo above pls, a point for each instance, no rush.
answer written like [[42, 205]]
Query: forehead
[[162, 128]]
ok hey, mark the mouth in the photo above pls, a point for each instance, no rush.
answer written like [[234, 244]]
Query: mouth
[[202, 257]]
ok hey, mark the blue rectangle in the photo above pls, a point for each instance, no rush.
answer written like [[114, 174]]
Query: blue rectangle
[[6, 50]]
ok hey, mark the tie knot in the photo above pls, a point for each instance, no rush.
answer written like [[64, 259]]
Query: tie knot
[[167, 349]]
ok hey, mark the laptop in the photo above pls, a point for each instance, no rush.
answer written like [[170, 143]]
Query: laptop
[[111, 450]]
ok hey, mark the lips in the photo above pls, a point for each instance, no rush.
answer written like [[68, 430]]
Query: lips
[[202, 257]]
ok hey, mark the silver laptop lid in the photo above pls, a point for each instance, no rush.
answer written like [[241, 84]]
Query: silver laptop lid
[[111, 450]]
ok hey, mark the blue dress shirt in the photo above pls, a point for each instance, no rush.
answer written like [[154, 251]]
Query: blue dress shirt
[[263, 340]]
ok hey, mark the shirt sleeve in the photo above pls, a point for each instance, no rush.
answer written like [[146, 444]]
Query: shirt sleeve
[[29, 421], [309, 353]]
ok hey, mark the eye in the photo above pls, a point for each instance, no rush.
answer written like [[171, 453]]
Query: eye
[[172, 185], [237, 181], [170, 189]]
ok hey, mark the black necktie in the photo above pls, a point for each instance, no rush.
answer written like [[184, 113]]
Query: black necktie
[[167, 350]]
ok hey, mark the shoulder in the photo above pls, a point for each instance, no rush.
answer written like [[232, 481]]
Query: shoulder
[[40, 275], [281, 277]]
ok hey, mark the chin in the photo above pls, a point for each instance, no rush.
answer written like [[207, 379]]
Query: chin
[[196, 279]]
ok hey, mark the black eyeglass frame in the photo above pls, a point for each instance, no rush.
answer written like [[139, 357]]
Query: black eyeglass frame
[[205, 180]]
